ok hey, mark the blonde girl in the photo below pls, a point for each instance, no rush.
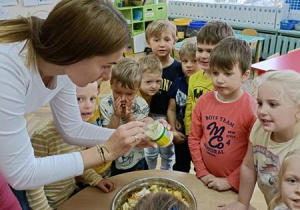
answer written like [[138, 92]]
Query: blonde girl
[[41, 62], [274, 134], [288, 195]]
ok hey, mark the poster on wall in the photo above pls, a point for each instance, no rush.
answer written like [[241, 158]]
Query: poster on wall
[[28, 3], [45, 1], [8, 2]]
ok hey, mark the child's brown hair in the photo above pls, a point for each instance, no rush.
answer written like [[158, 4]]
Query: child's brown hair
[[213, 32], [156, 28], [230, 52], [161, 201], [127, 72], [151, 64]]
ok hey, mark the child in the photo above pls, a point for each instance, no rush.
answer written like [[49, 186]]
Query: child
[[95, 119], [199, 83], [161, 37], [123, 106], [222, 119], [176, 110], [7, 199], [161, 201], [152, 76], [47, 142], [288, 183], [274, 134]]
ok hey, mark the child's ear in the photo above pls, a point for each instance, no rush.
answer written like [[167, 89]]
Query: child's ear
[[246, 75]]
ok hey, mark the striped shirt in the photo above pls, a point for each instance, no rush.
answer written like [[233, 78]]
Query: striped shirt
[[47, 142]]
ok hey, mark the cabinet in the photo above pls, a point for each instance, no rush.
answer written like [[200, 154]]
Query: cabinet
[[139, 17]]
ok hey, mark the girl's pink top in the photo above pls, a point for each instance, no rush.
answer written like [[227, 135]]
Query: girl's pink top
[[7, 199]]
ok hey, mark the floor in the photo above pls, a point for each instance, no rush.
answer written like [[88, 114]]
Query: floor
[[41, 116]]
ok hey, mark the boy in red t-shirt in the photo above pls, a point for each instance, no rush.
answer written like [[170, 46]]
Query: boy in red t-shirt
[[222, 119]]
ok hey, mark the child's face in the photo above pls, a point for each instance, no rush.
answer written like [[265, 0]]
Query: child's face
[[162, 46], [228, 83], [189, 65], [203, 55], [86, 97], [151, 82], [276, 111], [125, 94], [290, 183]]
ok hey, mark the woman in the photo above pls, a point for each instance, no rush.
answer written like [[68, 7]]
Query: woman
[[78, 43]]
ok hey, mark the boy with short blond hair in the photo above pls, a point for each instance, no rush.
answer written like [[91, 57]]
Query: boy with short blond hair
[[161, 37], [207, 38], [47, 141], [123, 106], [152, 77], [177, 104], [222, 119]]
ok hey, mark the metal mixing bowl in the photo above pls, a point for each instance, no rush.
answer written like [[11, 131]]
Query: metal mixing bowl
[[139, 184]]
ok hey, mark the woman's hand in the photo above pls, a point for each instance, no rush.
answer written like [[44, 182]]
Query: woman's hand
[[125, 138]]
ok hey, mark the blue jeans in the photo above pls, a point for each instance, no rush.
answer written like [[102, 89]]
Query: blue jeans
[[22, 198], [166, 154]]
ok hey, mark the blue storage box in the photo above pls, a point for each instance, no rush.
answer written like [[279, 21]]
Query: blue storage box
[[288, 24]]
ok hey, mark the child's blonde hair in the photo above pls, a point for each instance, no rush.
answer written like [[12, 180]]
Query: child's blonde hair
[[230, 52], [161, 201], [213, 32], [156, 28], [188, 48], [74, 30], [150, 64], [278, 197], [127, 72], [289, 83]]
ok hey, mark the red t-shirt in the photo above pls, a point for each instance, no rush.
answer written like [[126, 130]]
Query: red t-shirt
[[219, 136], [7, 199]]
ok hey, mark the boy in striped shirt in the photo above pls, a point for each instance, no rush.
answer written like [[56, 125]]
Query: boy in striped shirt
[[47, 141]]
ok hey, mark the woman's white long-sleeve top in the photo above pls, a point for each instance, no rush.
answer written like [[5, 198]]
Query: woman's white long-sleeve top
[[23, 91]]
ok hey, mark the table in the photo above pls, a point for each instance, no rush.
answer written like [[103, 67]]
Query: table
[[92, 198], [283, 62], [248, 39]]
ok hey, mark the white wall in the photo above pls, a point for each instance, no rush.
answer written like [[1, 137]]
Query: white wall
[[41, 11]]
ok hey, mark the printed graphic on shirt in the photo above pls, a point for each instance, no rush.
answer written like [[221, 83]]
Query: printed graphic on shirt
[[165, 85], [267, 166], [199, 91], [219, 135], [130, 158], [181, 103]]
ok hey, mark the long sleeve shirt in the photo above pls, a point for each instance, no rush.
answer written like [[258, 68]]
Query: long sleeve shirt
[[48, 142], [219, 136], [199, 84], [23, 91]]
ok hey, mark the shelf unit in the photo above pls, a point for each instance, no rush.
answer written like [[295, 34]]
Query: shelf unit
[[139, 17]]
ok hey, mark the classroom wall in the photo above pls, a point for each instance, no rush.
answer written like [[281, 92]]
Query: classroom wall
[[41, 11]]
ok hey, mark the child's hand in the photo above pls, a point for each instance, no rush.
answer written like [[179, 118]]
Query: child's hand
[[106, 185], [205, 178], [219, 184], [118, 108], [178, 137], [178, 126], [233, 206], [129, 111]]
